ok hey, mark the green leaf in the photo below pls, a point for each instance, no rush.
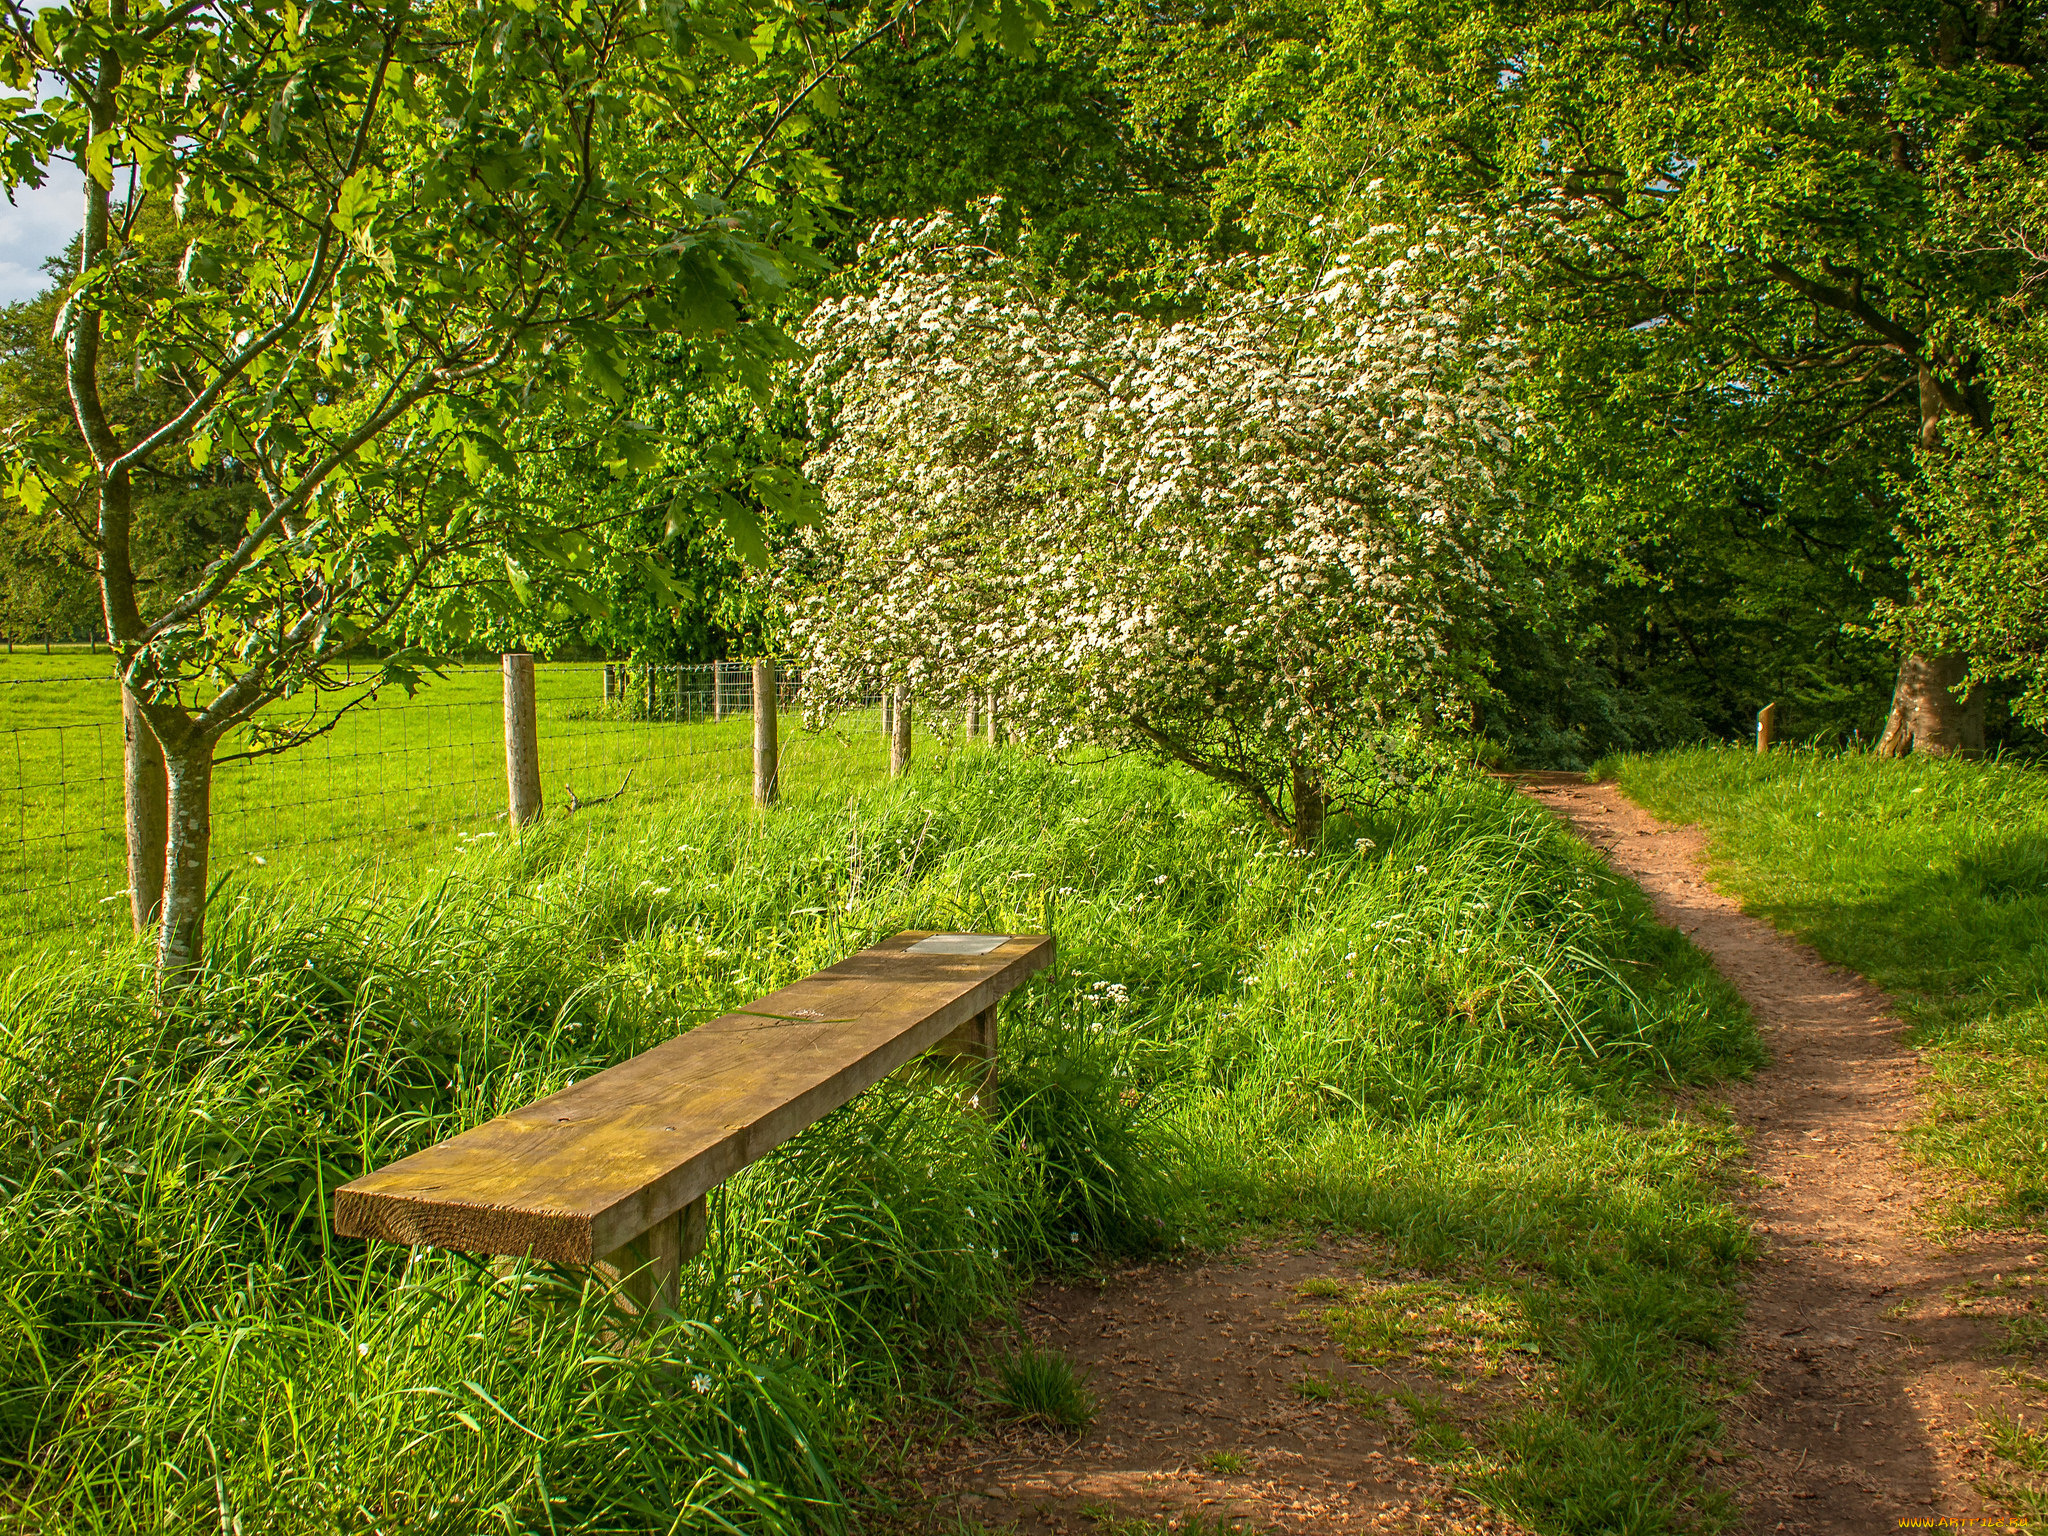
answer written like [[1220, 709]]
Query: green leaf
[[600, 370], [99, 160], [356, 201], [743, 527]]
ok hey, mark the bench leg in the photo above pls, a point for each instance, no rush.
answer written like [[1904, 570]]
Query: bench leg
[[651, 1266], [971, 1049]]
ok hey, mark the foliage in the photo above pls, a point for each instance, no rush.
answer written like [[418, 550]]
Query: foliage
[[418, 242], [1086, 198], [1977, 531], [1243, 539], [1449, 1031], [668, 581], [1931, 879], [1756, 284]]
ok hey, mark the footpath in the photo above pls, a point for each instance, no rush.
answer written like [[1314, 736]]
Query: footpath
[[1870, 1349], [1873, 1345]]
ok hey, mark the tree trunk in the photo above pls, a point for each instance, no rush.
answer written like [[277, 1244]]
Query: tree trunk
[[144, 795], [1311, 806], [181, 938], [1930, 714]]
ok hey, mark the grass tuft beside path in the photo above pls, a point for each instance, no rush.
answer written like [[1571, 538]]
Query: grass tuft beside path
[[1930, 877], [1452, 1029]]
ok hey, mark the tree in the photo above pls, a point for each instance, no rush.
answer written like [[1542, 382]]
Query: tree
[[1977, 528], [415, 239], [671, 579], [1242, 540], [1086, 200], [1976, 516], [1754, 198]]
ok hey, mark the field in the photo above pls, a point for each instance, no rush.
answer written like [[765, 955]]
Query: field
[[1931, 878], [396, 788], [1451, 1030]]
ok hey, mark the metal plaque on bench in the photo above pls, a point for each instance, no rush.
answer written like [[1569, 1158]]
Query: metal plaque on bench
[[958, 944]]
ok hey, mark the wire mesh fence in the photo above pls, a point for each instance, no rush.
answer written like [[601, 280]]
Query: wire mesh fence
[[400, 779]]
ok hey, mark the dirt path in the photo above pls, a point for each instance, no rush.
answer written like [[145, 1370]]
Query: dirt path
[[1226, 1405], [1225, 1397], [1874, 1348]]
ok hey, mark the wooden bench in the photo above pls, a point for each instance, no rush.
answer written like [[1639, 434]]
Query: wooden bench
[[614, 1170]]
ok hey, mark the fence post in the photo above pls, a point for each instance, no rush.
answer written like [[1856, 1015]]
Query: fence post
[[899, 737], [767, 763], [1766, 727], [973, 715], [522, 741], [994, 731], [888, 712], [717, 690]]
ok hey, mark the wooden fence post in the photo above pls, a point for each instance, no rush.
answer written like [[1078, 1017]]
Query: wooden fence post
[[1766, 727], [994, 730], [611, 683], [522, 741], [899, 737], [767, 764], [717, 690], [973, 715]]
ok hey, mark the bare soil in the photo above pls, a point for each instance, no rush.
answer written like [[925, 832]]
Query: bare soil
[[1873, 1346], [1210, 1379]]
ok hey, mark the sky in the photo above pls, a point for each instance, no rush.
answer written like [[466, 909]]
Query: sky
[[37, 225]]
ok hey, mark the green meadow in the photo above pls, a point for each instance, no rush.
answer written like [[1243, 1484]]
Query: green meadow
[[400, 785]]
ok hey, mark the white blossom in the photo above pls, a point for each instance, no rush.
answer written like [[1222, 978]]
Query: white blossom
[[1243, 539]]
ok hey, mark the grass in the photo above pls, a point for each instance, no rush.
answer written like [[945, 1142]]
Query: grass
[[395, 790], [1451, 1030], [1042, 1385], [1930, 877]]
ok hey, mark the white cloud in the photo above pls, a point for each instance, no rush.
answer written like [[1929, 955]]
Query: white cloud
[[35, 226]]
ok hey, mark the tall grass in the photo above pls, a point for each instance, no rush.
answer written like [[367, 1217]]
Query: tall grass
[[1450, 1028], [1930, 877]]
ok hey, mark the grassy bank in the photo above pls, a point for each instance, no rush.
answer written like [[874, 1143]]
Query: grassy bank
[[1931, 878], [1451, 1030]]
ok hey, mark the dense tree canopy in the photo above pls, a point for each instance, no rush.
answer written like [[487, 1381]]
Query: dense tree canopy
[[1754, 293]]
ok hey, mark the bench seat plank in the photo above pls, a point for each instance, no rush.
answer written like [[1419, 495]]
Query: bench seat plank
[[578, 1175]]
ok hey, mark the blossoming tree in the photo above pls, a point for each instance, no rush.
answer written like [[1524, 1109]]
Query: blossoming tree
[[1243, 540]]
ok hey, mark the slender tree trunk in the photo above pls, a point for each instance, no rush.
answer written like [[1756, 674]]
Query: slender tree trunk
[[144, 795], [1931, 714], [1311, 805], [181, 938]]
